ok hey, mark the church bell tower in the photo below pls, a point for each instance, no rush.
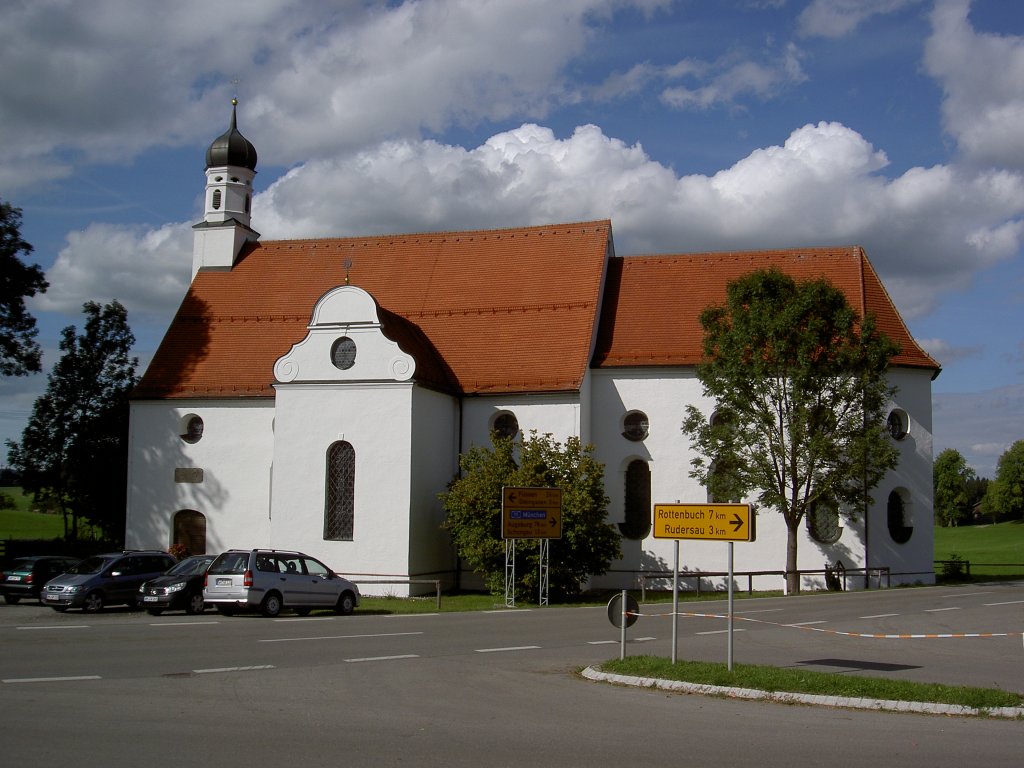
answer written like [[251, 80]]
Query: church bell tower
[[224, 230]]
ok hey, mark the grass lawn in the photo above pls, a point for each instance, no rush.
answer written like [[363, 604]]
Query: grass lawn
[[981, 544], [22, 523]]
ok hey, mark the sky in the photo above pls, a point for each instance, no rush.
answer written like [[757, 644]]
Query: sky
[[693, 125]]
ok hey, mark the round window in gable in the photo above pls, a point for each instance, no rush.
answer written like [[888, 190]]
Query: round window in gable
[[635, 426], [898, 423], [343, 353], [506, 425], [192, 429]]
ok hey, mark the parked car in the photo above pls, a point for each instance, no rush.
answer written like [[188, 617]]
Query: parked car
[[270, 580], [27, 576], [112, 578], [181, 588]]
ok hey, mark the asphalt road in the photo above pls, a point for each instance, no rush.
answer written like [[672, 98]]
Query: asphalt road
[[495, 688]]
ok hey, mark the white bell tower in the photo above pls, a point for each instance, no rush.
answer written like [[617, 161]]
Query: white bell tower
[[224, 230]]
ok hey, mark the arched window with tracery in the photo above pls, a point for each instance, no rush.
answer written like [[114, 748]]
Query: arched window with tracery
[[339, 509]]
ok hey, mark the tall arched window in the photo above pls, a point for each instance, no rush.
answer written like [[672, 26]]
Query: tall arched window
[[339, 510], [190, 531], [638, 501], [899, 528]]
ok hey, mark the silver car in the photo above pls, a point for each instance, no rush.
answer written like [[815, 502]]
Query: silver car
[[270, 580]]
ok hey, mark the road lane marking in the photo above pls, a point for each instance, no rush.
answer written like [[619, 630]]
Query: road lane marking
[[805, 623], [336, 637], [60, 626], [509, 648], [306, 618], [602, 642], [762, 610], [939, 610], [218, 670], [50, 679], [385, 658], [183, 623], [879, 616], [509, 611], [718, 632], [1008, 602]]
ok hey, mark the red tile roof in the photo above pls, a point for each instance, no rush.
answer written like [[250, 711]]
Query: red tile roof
[[510, 310], [653, 303], [507, 310]]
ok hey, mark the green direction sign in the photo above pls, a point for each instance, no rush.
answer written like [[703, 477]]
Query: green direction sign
[[714, 522]]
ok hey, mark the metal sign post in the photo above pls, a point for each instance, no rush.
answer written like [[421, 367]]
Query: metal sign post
[[545, 560], [675, 602], [510, 573], [714, 522]]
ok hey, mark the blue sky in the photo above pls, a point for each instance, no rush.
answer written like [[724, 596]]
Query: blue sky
[[693, 125]]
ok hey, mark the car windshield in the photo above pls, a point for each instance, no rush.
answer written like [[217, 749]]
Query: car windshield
[[89, 565], [190, 566]]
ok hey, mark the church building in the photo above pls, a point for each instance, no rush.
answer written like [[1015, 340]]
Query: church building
[[316, 394]]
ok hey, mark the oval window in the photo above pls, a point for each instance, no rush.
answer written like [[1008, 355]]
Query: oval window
[[635, 426], [343, 353]]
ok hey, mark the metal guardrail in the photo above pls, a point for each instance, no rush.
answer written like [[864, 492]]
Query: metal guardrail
[[966, 565], [841, 573]]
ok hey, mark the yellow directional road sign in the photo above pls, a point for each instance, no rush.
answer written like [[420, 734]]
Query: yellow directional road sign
[[717, 522], [531, 513]]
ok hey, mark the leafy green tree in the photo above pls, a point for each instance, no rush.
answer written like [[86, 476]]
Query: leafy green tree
[[798, 381], [1005, 496], [19, 352], [473, 504], [73, 453], [951, 479]]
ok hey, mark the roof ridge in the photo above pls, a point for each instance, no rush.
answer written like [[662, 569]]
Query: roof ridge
[[575, 225]]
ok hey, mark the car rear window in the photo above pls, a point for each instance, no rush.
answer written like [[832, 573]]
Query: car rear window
[[230, 562]]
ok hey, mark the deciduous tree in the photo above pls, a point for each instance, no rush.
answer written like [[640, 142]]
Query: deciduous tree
[[1005, 496], [19, 352], [73, 451], [473, 503], [799, 386], [952, 478]]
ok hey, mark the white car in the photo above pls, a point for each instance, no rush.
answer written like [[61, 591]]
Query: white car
[[271, 580]]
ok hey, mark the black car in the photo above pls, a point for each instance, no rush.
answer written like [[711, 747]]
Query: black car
[[26, 576], [180, 588]]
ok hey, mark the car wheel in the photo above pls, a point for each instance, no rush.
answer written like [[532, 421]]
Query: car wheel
[[346, 604], [93, 603], [195, 603], [226, 610], [11, 599], [154, 611], [271, 605]]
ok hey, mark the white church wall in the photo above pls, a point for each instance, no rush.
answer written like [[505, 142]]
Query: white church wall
[[375, 420], [557, 414], [913, 561], [225, 475], [662, 394], [435, 451]]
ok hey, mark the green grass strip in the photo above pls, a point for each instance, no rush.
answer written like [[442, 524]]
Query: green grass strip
[[775, 679]]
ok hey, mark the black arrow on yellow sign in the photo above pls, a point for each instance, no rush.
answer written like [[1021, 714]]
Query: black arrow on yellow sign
[[737, 522]]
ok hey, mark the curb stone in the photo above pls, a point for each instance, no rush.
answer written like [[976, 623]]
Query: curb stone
[[917, 707]]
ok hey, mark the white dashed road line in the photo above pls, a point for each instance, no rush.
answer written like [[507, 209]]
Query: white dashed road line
[[384, 658], [336, 637], [50, 679], [510, 648]]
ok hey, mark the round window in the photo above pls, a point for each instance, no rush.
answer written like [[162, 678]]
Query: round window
[[635, 426], [506, 425], [897, 424], [343, 353], [193, 432]]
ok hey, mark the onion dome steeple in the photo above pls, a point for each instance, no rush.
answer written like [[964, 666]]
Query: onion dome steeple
[[231, 147], [225, 228]]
